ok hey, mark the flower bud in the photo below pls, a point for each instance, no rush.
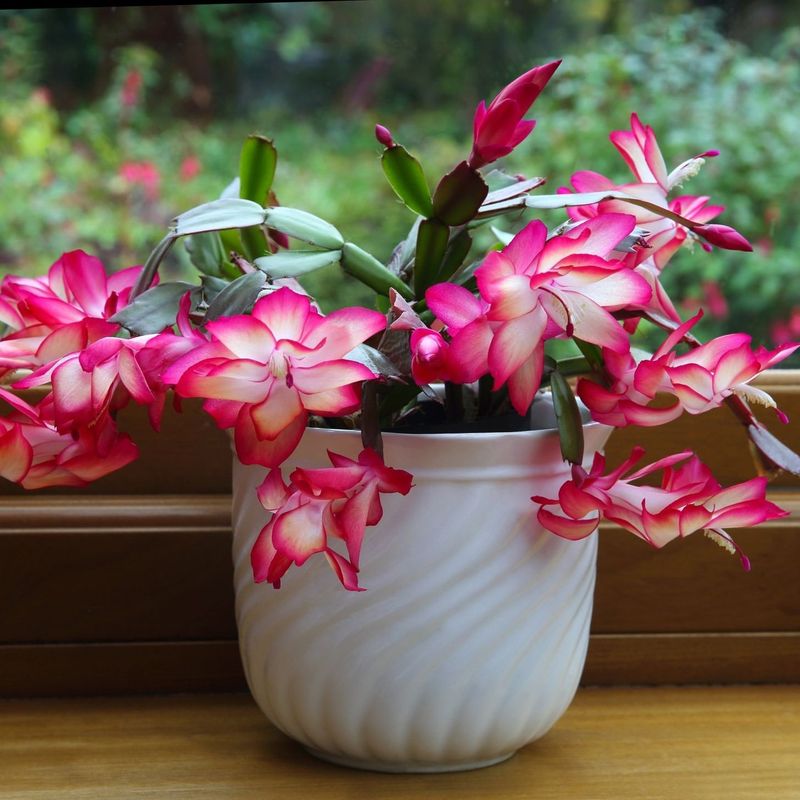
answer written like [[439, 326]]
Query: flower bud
[[723, 236], [384, 136]]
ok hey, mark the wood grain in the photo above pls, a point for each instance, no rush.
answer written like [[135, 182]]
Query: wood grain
[[127, 586], [134, 594], [737, 743], [647, 659], [113, 668], [159, 567], [654, 659], [115, 569]]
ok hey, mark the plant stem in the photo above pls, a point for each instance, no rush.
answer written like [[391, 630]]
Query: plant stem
[[485, 383], [453, 402], [370, 423], [148, 273]]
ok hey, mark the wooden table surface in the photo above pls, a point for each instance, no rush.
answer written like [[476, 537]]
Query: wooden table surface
[[731, 743]]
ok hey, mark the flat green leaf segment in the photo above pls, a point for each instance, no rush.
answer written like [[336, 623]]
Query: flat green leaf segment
[[238, 297], [304, 226], [568, 415], [257, 168], [294, 263], [153, 310], [406, 177], [219, 215]]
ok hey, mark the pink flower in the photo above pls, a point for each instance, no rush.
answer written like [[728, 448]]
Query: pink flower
[[384, 136], [34, 454], [663, 237], [264, 374], [131, 87], [61, 313], [723, 236], [714, 299], [785, 331], [144, 174], [430, 356], [498, 129], [94, 382], [189, 168], [698, 380], [103, 376], [689, 499], [338, 502], [536, 289]]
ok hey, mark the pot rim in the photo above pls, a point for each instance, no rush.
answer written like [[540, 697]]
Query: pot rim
[[449, 436]]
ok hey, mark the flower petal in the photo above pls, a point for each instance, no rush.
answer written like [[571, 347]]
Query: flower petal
[[567, 528], [244, 336]]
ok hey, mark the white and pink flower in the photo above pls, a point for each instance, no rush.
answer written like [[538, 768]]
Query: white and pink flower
[[318, 505], [34, 454], [537, 289], [689, 499], [264, 374], [62, 312], [697, 380]]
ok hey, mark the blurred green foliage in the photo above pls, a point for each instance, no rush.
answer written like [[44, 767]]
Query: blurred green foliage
[[103, 154]]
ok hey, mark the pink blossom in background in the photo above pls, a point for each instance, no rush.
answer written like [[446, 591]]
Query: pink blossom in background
[[784, 331], [498, 129], [42, 96], [714, 300], [189, 168], [131, 87], [765, 245], [318, 505], [144, 174], [689, 499]]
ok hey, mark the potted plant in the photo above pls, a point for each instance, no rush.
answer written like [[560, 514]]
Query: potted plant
[[462, 418]]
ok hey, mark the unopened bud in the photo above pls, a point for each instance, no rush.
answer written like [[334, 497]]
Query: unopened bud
[[723, 236], [384, 136]]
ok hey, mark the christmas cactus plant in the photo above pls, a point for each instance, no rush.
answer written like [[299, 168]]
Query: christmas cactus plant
[[457, 339]]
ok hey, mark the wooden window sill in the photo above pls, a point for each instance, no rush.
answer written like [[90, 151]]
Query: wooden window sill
[[126, 587], [702, 743]]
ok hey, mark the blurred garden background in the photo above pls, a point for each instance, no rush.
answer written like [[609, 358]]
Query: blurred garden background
[[114, 120]]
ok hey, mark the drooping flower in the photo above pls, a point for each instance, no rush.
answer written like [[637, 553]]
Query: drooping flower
[[689, 499], [697, 380], [264, 374], [103, 376], [34, 454], [336, 502], [663, 236], [498, 129]]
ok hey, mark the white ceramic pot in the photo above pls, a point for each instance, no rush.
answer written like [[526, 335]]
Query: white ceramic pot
[[471, 637]]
